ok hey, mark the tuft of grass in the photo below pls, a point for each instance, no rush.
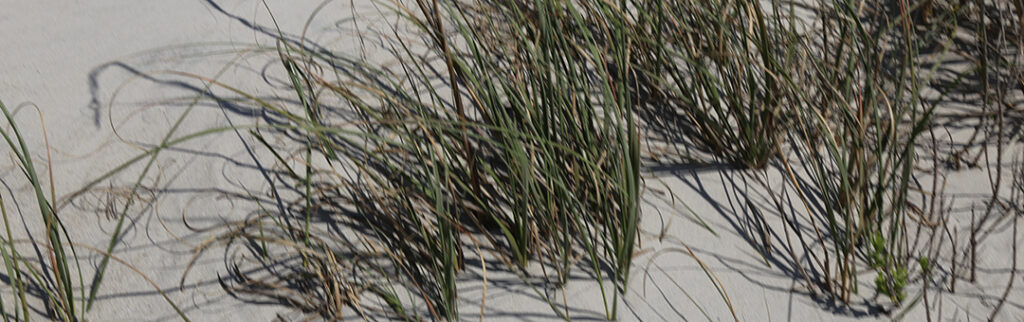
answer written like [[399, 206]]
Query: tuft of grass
[[520, 138], [858, 148], [864, 93], [717, 74]]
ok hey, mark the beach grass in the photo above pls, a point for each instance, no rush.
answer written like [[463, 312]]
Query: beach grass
[[509, 135]]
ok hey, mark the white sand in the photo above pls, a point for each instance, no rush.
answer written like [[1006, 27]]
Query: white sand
[[69, 58]]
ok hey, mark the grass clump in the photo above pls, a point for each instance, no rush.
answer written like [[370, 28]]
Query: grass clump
[[543, 84], [718, 75], [869, 81], [856, 142], [508, 127]]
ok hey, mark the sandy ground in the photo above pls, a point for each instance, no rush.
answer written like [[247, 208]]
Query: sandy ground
[[98, 72]]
